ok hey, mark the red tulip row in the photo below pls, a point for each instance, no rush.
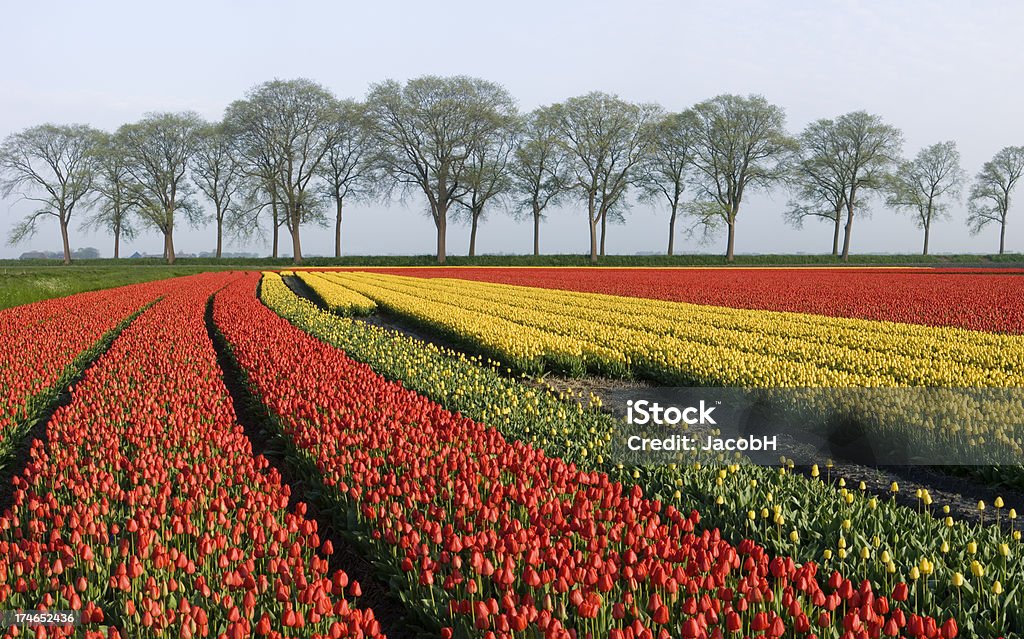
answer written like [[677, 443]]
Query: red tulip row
[[146, 509], [504, 541], [979, 299], [39, 344]]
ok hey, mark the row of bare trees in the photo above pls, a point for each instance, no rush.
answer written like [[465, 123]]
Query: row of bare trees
[[290, 154]]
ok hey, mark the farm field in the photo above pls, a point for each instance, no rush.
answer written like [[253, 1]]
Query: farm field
[[980, 299], [187, 459]]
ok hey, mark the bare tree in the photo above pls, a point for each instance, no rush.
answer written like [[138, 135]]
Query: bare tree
[[921, 184], [604, 138], [218, 174], [283, 131], [538, 169], [117, 198], [346, 170], [53, 166], [158, 150], [487, 174], [739, 143], [989, 199], [426, 131], [817, 179], [867, 151], [663, 172]]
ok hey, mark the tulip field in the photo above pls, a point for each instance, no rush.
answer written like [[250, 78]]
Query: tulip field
[[487, 503], [981, 299]]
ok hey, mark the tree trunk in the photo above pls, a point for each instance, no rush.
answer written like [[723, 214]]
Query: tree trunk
[[927, 227], [441, 221], [593, 241], [169, 243], [294, 217], [835, 235], [1002, 236], [849, 225], [472, 233], [731, 242], [220, 235], [277, 229], [67, 245], [117, 241], [592, 222], [536, 230], [672, 229], [604, 228], [339, 204]]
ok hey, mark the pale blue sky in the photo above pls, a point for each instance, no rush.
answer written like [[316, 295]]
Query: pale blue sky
[[938, 70]]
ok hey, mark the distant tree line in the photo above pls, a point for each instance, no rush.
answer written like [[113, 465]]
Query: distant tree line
[[290, 155]]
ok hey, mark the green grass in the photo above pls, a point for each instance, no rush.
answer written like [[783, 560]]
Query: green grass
[[22, 285]]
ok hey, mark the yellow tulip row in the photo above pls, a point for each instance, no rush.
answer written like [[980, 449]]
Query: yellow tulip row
[[340, 300], [686, 343]]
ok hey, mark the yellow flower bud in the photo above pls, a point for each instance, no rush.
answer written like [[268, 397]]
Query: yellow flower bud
[[958, 579], [981, 506], [894, 487], [972, 547], [926, 566], [997, 588], [999, 502]]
